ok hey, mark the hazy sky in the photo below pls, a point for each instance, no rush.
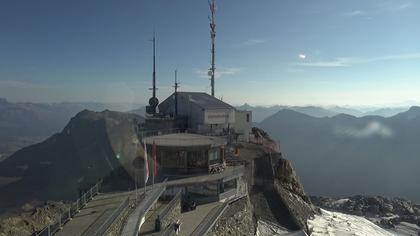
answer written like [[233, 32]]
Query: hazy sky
[[294, 52]]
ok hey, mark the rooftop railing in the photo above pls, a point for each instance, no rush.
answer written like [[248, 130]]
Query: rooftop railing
[[159, 132]]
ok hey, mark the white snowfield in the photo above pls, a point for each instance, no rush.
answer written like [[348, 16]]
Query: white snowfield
[[339, 224], [405, 229], [265, 228]]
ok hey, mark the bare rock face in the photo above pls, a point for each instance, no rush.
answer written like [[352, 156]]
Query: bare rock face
[[236, 220], [290, 190], [288, 179], [32, 219], [286, 186]]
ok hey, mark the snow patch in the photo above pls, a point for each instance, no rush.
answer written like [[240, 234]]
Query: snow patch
[[265, 228], [340, 201], [334, 223], [405, 229]]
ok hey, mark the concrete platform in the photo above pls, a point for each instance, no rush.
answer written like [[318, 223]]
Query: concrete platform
[[149, 225], [93, 214], [190, 220]]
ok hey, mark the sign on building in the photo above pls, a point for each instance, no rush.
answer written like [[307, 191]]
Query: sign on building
[[219, 116]]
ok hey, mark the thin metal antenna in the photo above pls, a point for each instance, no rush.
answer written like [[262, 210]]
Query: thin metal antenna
[[176, 86], [154, 65], [212, 6], [153, 101]]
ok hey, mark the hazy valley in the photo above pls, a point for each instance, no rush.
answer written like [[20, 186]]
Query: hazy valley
[[345, 155]]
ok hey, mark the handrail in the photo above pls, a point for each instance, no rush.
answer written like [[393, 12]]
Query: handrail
[[134, 221], [212, 217], [210, 220], [164, 213], [74, 208], [110, 220], [159, 132]]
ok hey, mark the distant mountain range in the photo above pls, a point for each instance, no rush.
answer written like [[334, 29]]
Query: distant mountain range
[[261, 112], [22, 124], [346, 155]]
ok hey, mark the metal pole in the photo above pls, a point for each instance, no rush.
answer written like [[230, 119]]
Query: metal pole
[[145, 185], [176, 86], [154, 65], [213, 38], [59, 222], [135, 184], [153, 171]]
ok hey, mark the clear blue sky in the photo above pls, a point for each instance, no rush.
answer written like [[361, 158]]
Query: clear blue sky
[[295, 52]]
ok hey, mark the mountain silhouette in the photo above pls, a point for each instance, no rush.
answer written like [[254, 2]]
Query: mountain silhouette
[[345, 155], [90, 147]]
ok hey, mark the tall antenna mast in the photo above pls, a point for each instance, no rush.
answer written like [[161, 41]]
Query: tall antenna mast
[[212, 6], [153, 101], [176, 86], [154, 65]]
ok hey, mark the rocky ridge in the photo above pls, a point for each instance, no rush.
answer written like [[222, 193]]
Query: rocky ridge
[[32, 219], [384, 211], [276, 195], [91, 146]]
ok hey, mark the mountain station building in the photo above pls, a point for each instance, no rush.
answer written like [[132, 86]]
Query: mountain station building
[[206, 114]]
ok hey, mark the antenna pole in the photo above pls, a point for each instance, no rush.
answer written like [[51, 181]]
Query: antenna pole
[[176, 86], [153, 101], [212, 5], [154, 65], [176, 81]]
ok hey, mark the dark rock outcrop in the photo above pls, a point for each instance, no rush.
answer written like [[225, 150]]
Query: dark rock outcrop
[[289, 188], [278, 179], [90, 147], [288, 179]]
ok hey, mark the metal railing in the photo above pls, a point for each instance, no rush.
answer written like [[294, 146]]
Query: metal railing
[[164, 214], [210, 220], [102, 230], [159, 132], [212, 217], [227, 194], [74, 208], [133, 223]]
